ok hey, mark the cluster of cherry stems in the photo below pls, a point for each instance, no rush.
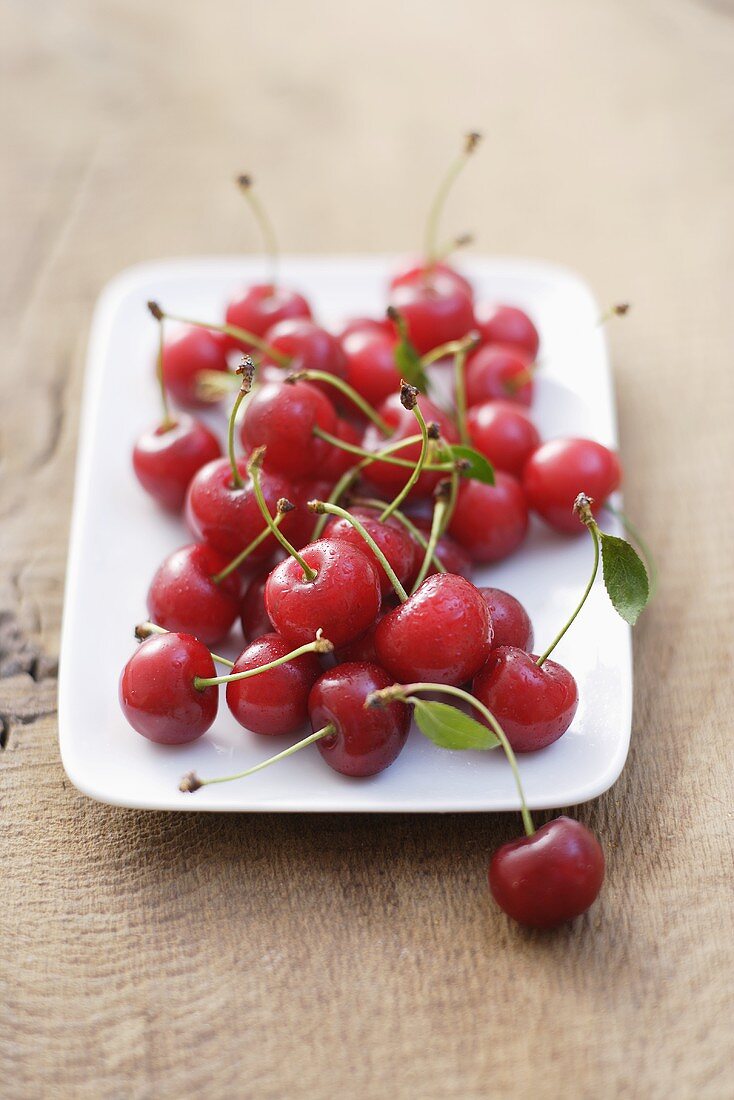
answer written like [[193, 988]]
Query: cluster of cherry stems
[[342, 533]]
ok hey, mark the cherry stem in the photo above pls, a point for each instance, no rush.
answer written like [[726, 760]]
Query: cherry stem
[[247, 370], [420, 538], [620, 309], [252, 546], [191, 782], [452, 347], [266, 226], [253, 467], [582, 507], [321, 507], [147, 629], [436, 208], [452, 498], [348, 391], [384, 455], [523, 378], [462, 241], [404, 692], [439, 511], [408, 395], [237, 333], [460, 393], [318, 645], [168, 421]]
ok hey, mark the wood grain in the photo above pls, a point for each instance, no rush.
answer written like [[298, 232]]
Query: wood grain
[[151, 955]]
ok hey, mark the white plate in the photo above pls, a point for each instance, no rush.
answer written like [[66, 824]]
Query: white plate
[[118, 537]]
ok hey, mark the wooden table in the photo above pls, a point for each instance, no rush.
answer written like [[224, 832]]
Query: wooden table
[[158, 955]]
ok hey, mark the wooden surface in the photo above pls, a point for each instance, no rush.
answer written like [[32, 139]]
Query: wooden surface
[[156, 955]]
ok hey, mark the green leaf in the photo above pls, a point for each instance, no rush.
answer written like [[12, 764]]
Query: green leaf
[[449, 728], [408, 365], [625, 577], [479, 468]]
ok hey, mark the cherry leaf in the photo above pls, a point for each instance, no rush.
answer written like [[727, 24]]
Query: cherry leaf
[[625, 577], [408, 365], [449, 728], [479, 468]]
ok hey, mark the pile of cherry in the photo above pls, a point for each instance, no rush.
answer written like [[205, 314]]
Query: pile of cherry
[[340, 527]]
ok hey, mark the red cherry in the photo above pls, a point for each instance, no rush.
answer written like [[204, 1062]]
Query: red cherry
[[508, 325], [510, 620], [157, 692], [490, 521], [535, 706], [498, 373], [342, 600], [391, 537], [559, 470], [282, 417], [550, 877], [337, 461], [276, 701], [504, 433], [371, 370], [260, 307], [366, 324], [365, 742], [415, 272], [390, 478], [166, 458], [253, 616], [435, 309], [228, 518], [194, 351], [361, 648], [309, 347], [183, 597], [440, 634]]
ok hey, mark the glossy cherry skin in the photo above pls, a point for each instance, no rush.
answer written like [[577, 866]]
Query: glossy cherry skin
[[370, 359], [183, 597], [253, 616], [363, 647], [365, 741], [535, 706], [260, 307], [166, 459], [508, 325], [343, 599], [559, 470], [281, 417], [228, 518], [157, 692], [504, 433], [390, 478], [338, 461], [309, 347], [441, 634], [391, 537], [366, 324], [276, 701], [543, 880], [498, 373], [435, 309], [490, 521], [510, 621], [185, 357], [418, 271]]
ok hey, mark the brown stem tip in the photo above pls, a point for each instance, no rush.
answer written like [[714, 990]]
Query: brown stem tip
[[433, 430], [190, 783], [247, 370], [582, 508], [472, 140], [257, 458], [463, 240], [442, 491], [284, 505], [156, 310], [621, 308], [408, 395], [316, 506], [244, 181]]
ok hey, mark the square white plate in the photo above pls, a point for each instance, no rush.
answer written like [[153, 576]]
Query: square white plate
[[118, 537]]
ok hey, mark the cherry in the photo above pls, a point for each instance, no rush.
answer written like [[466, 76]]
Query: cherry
[[435, 310], [253, 616], [276, 702], [166, 458], [510, 620], [282, 417], [184, 597], [184, 358], [503, 433], [157, 692], [508, 325], [403, 424], [495, 372], [338, 461], [363, 647], [362, 742], [392, 539], [490, 521], [227, 517], [440, 633], [414, 273], [370, 358], [453, 557], [307, 346], [534, 704], [559, 470], [340, 594], [549, 877], [365, 324]]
